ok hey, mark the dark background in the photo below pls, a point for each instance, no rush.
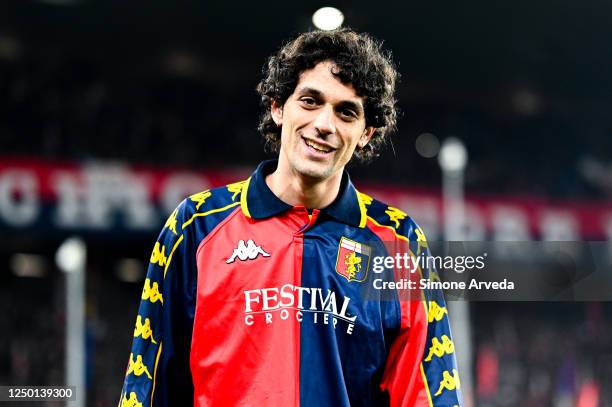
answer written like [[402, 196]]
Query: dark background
[[524, 84]]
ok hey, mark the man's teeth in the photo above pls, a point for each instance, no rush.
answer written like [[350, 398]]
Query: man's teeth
[[318, 146]]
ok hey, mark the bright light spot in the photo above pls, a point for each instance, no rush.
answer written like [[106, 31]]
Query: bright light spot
[[526, 102], [453, 155], [70, 256], [130, 270], [327, 18], [427, 145], [28, 265]]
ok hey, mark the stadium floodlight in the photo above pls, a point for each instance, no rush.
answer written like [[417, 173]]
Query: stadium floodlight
[[70, 258], [453, 159], [327, 18], [453, 155]]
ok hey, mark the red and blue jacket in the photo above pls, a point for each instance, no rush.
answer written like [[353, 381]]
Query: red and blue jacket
[[249, 301]]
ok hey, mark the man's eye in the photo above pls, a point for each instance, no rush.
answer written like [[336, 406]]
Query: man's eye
[[348, 113], [308, 101]]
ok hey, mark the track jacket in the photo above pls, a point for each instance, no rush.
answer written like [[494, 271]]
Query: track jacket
[[249, 301]]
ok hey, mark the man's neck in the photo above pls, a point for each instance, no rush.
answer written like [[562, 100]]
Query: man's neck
[[294, 189]]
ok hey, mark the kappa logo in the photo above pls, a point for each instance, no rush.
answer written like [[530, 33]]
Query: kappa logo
[[248, 251]]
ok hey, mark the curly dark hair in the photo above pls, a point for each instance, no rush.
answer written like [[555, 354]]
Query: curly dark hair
[[360, 61]]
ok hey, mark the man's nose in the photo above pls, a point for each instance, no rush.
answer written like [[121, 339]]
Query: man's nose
[[324, 122]]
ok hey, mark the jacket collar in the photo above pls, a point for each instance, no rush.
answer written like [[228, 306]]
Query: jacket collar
[[259, 202]]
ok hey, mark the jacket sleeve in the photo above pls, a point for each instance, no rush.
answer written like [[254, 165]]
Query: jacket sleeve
[[421, 368], [158, 372]]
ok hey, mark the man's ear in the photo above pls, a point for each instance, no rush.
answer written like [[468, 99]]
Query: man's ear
[[277, 113], [366, 137]]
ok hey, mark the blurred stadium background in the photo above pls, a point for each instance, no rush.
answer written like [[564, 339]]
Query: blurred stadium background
[[111, 111]]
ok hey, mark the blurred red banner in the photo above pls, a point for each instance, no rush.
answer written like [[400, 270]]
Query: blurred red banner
[[102, 196]]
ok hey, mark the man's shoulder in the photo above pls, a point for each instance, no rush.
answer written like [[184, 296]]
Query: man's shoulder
[[215, 203], [381, 216], [215, 198]]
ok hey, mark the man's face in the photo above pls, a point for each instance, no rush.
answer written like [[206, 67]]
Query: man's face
[[323, 121]]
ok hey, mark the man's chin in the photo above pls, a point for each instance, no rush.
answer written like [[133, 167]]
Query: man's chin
[[315, 173]]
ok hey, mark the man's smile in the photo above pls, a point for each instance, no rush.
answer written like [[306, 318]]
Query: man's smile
[[318, 146]]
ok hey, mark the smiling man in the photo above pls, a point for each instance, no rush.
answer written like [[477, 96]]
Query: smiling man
[[259, 292], [322, 122]]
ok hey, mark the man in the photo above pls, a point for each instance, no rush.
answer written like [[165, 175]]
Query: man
[[255, 291]]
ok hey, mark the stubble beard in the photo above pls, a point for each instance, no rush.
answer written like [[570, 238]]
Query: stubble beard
[[312, 172]]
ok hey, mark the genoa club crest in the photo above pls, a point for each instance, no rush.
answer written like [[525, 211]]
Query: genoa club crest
[[353, 260]]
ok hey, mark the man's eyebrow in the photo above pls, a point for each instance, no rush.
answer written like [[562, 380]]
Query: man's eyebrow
[[348, 104], [309, 91]]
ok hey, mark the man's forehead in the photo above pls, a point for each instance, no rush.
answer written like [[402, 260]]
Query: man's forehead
[[321, 81]]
